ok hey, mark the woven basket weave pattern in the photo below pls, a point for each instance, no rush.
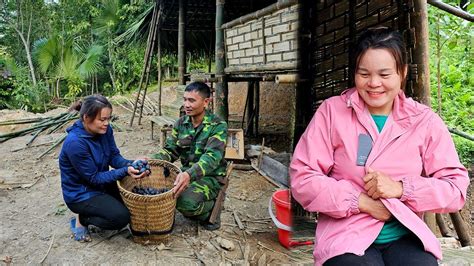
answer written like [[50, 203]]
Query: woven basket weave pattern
[[151, 213]]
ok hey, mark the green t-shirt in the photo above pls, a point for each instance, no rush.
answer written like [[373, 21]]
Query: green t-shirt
[[391, 230]]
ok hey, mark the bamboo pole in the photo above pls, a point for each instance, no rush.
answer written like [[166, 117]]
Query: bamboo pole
[[52, 146], [145, 64], [148, 67], [158, 54], [461, 134], [421, 86], [288, 78], [21, 121], [452, 10], [182, 42], [221, 95]]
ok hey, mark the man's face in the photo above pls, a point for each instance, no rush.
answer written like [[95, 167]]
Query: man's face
[[194, 103]]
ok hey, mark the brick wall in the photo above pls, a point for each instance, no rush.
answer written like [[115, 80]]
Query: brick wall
[[271, 40]]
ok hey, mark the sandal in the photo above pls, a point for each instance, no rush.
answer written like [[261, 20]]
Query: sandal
[[80, 234]]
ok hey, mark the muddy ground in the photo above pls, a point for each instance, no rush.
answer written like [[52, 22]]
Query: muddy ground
[[34, 219]]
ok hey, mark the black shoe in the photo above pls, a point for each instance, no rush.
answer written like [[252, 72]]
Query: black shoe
[[211, 227]]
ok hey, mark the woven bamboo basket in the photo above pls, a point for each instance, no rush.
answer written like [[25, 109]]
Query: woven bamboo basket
[[152, 216]]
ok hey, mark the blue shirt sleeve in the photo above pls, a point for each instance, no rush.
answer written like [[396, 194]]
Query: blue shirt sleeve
[[116, 159], [82, 161]]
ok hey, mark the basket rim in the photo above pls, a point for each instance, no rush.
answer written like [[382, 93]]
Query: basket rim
[[153, 162]]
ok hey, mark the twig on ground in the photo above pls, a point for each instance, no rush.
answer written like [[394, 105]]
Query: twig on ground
[[49, 249], [238, 221], [272, 250], [199, 257]]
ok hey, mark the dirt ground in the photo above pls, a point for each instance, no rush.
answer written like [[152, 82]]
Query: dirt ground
[[34, 220]]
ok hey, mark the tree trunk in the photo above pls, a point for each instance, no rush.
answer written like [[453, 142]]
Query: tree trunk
[[112, 78], [26, 44]]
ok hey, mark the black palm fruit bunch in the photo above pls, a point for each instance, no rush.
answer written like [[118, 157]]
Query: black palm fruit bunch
[[142, 166]]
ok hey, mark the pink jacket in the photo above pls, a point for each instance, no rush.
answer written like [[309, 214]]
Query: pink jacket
[[414, 147]]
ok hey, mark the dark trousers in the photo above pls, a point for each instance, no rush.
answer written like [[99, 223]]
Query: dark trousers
[[405, 251], [105, 211]]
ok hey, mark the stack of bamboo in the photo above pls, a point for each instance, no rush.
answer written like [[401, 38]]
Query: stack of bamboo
[[48, 125]]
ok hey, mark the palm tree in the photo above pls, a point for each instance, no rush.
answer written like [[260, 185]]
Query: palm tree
[[67, 60]]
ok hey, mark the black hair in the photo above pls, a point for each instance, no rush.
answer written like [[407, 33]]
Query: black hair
[[382, 38], [92, 105], [199, 87]]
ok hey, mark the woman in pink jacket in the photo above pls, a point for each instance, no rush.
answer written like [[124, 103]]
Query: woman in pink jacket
[[372, 161]]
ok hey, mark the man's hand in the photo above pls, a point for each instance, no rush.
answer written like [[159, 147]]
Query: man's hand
[[380, 185], [181, 183], [135, 173], [374, 207]]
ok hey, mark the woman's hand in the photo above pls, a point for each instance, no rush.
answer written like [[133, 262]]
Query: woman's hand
[[181, 183], [380, 185], [143, 159], [136, 173], [374, 207]]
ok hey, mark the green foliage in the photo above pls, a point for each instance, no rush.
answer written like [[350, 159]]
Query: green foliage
[[65, 59], [452, 77]]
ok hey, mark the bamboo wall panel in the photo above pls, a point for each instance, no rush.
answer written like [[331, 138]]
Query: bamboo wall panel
[[338, 24]]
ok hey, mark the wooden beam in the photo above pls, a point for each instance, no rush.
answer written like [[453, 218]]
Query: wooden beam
[[182, 42], [260, 13], [221, 95], [280, 66]]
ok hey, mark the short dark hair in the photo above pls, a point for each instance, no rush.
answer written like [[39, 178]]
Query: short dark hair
[[92, 105], [382, 38], [199, 87]]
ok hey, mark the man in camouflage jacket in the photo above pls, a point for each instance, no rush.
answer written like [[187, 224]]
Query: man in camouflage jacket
[[198, 139]]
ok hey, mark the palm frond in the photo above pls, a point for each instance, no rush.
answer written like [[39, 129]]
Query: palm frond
[[47, 53], [91, 63], [133, 31]]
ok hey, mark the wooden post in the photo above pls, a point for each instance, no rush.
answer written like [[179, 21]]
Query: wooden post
[[209, 56], [461, 229], [221, 96], [182, 42], [421, 86], [442, 225], [250, 110], [421, 82], [430, 221], [158, 54], [257, 106]]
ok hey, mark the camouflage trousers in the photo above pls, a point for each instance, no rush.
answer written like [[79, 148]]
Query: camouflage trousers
[[197, 201]]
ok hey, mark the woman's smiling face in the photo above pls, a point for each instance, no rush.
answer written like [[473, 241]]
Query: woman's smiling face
[[377, 80]]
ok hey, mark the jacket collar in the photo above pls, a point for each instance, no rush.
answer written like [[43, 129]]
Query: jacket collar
[[79, 130], [405, 110], [205, 120]]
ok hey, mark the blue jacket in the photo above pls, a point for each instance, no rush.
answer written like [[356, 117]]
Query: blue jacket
[[84, 163]]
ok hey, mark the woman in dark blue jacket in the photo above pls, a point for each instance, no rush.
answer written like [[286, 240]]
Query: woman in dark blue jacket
[[89, 186]]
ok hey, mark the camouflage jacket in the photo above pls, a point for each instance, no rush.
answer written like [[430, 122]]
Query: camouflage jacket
[[201, 150]]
